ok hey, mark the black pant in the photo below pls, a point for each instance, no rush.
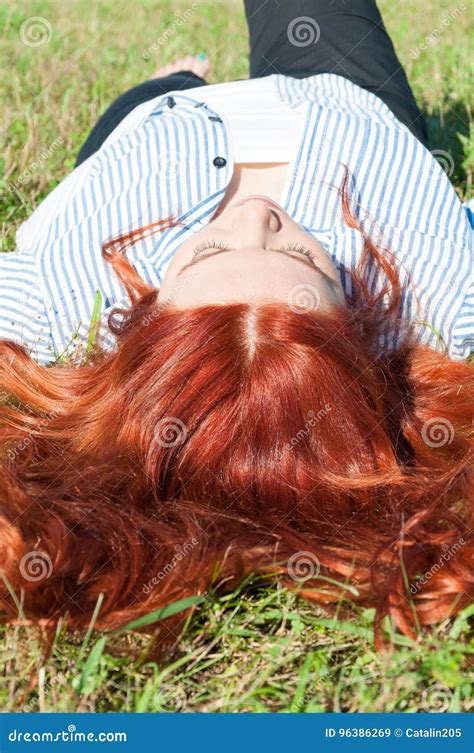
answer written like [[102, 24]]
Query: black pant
[[299, 38]]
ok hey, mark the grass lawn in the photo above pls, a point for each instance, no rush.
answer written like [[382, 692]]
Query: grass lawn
[[257, 649]]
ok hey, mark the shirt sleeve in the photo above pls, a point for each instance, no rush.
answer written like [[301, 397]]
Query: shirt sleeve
[[32, 229], [23, 313], [463, 329]]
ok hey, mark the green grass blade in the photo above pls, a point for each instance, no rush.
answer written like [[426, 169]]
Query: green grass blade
[[160, 614], [89, 672], [95, 321]]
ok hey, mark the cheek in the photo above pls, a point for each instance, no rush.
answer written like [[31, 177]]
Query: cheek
[[325, 262], [171, 281], [180, 258]]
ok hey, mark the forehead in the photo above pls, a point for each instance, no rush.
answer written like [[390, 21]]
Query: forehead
[[243, 275], [256, 257]]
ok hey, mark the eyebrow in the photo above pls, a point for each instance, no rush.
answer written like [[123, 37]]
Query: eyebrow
[[301, 258]]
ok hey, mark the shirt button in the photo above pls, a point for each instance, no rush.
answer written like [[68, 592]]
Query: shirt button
[[219, 162], [171, 101], [215, 119]]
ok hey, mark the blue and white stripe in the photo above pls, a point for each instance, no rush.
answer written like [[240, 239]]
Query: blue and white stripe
[[164, 167]]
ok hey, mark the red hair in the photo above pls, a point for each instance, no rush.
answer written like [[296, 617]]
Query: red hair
[[233, 439]]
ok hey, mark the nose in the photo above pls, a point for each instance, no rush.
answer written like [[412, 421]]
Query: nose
[[256, 223]]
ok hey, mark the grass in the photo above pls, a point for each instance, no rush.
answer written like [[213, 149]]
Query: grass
[[254, 650], [257, 649]]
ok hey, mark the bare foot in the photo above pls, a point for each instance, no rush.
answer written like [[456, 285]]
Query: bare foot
[[191, 63]]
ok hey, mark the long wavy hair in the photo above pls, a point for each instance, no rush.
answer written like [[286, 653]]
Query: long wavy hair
[[234, 439]]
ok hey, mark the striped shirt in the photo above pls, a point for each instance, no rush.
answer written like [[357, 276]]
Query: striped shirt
[[166, 165]]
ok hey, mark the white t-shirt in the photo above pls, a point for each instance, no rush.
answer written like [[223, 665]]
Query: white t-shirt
[[263, 128]]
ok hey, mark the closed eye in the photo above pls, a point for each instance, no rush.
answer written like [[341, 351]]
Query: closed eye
[[211, 244], [295, 247]]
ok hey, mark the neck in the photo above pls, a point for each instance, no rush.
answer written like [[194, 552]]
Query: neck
[[266, 178]]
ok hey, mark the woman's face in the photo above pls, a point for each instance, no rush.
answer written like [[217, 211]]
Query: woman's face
[[254, 253]]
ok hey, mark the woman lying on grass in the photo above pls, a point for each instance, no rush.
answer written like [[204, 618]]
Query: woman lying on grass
[[274, 381]]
